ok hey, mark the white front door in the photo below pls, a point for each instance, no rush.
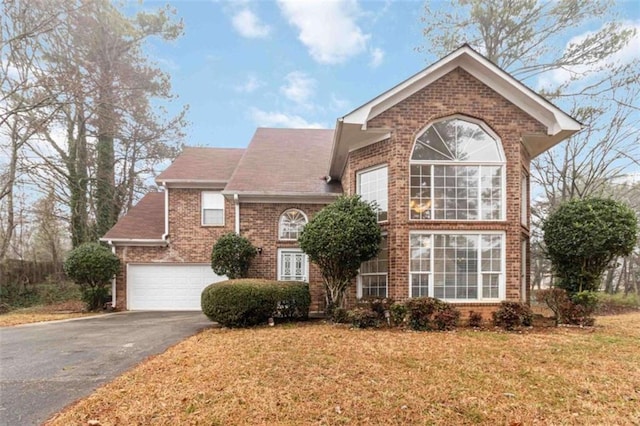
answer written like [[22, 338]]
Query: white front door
[[293, 265]]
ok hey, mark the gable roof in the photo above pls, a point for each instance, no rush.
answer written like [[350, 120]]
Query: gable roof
[[144, 222], [352, 133], [285, 163], [203, 167]]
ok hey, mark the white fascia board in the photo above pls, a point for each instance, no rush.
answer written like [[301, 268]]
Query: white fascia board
[[134, 242], [295, 198], [192, 183], [351, 138], [475, 64]]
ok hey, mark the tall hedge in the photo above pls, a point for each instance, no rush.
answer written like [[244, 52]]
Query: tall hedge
[[583, 237], [92, 266]]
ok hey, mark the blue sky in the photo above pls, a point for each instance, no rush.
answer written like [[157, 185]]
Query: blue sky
[[243, 64]]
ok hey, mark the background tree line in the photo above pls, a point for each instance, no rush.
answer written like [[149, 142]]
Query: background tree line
[[82, 120]]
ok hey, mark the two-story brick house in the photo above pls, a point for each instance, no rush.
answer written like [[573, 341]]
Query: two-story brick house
[[444, 154]]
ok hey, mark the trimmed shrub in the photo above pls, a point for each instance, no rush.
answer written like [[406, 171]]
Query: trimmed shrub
[[398, 314], [427, 313], [293, 298], [231, 255], [364, 317], [576, 310], [475, 319], [340, 316], [92, 266], [513, 314], [249, 302]]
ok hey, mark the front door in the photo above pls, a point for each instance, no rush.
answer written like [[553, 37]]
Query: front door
[[293, 265]]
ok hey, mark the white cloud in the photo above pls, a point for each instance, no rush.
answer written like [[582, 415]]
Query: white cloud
[[327, 28], [280, 119], [377, 56], [299, 87], [250, 85], [339, 104], [625, 56], [248, 24]]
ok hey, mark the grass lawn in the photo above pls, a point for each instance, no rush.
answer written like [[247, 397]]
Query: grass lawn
[[58, 311], [315, 373]]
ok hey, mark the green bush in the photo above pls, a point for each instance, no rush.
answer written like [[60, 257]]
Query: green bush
[[398, 314], [364, 317], [427, 313], [231, 255], [617, 303], [512, 314], [340, 316], [475, 319], [294, 299], [577, 310], [582, 237], [249, 302], [92, 266]]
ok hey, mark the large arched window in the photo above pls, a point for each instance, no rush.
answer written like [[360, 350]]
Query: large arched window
[[457, 173], [291, 223]]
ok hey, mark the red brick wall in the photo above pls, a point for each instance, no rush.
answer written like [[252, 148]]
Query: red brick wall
[[456, 93], [259, 223]]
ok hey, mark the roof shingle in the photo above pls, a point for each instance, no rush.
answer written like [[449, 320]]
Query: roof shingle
[[203, 164], [285, 162], [144, 221]]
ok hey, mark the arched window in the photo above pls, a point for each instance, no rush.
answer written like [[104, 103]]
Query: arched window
[[457, 173], [291, 223]]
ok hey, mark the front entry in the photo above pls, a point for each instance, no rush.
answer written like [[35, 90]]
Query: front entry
[[293, 265]]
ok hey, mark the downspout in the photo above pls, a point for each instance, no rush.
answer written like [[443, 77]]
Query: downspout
[[113, 280], [236, 202], [166, 212]]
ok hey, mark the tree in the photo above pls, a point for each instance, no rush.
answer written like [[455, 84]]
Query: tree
[[232, 255], [92, 266], [338, 239], [583, 237]]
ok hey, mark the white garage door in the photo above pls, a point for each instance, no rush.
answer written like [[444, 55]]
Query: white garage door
[[167, 287]]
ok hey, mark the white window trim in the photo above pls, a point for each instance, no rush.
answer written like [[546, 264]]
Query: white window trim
[[359, 280], [502, 163], [502, 278], [202, 195], [292, 250], [371, 169], [280, 223]]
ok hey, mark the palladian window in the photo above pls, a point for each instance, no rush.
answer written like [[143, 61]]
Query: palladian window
[[291, 224], [457, 173]]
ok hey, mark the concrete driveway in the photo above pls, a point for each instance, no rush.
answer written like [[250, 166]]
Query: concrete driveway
[[46, 366]]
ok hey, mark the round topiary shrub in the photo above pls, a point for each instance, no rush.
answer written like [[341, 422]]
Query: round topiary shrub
[[231, 255], [92, 266], [249, 302]]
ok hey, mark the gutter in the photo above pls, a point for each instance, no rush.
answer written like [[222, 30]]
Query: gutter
[[236, 202], [113, 280], [165, 236]]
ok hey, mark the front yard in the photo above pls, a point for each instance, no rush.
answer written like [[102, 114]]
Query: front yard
[[50, 312], [315, 373]]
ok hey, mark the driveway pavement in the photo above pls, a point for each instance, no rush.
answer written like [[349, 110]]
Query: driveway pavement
[[44, 367]]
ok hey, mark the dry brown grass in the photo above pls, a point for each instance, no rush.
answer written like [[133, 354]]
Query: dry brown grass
[[58, 311], [323, 374]]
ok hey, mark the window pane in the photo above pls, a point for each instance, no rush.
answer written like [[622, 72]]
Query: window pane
[[419, 285], [213, 217], [372, 187], [291, 224], [460, 192], [374, 286], [373, 273]]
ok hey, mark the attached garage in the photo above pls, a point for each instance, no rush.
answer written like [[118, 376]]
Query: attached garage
[[167, 287]]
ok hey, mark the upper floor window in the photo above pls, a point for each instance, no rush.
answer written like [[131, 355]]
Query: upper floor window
[[212, 208], [291, 224], [457, 173], [372, 187]]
